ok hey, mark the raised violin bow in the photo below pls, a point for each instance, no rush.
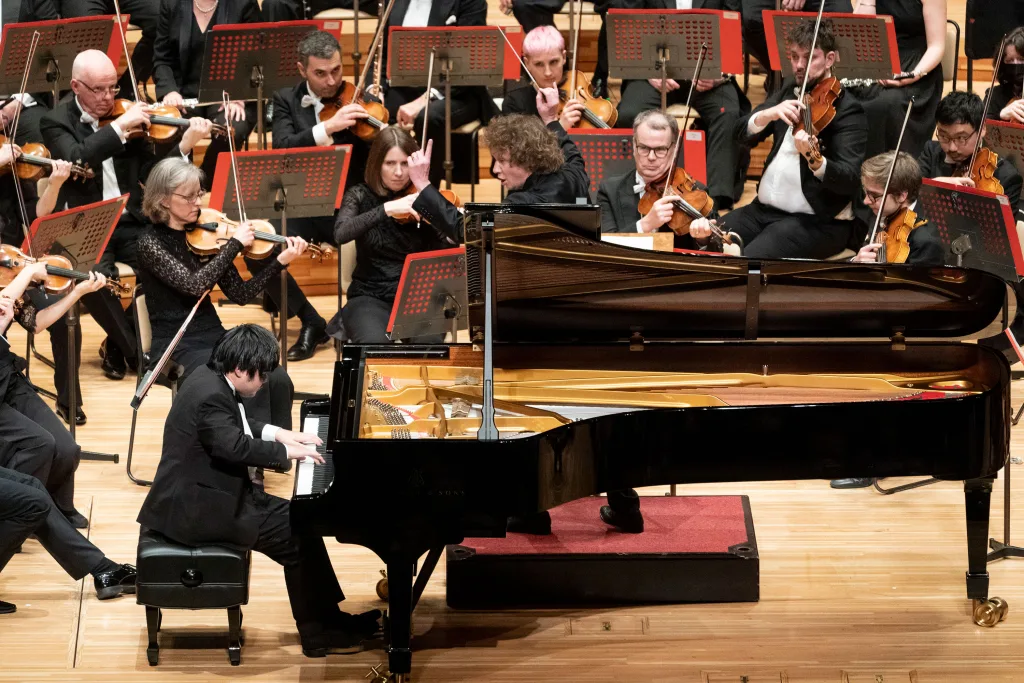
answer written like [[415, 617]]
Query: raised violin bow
[[988, 101], [689, 99], [888, 181], [10, 140], [807, 70]]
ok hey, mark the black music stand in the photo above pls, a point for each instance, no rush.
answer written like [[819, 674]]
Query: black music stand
[[431, 296], [1002, 550], [60, 41], [464, 56], [662, 44], [866, 43], [299, 183], [249, 60], [976, 228], [81, 234], [1007, 140]]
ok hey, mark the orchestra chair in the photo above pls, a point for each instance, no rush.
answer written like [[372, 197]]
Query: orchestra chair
[[169, 375], [951, 57], [472, 129], [176, 576]]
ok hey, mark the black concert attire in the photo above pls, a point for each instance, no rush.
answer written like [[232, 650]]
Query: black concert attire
[[382, 243], [174, 277], [925, 244], [33, 440], [143, 13], [934, 165], [1009, 85], [202, 494], [886, 107], [10, 213], [619, 199], [178, 65], [753, 22], [719, 109], [816, 221]]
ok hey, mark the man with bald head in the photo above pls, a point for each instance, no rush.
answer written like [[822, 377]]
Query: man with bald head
[[72, 132]]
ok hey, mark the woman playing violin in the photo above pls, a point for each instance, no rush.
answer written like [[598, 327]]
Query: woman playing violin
[[925, 246], [544, 56], [370, 214], [1007, 102], [174, 277]]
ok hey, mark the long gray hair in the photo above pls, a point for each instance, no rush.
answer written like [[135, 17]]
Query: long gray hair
[[166, 177]]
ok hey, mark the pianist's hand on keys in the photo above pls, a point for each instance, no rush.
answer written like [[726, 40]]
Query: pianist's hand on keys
[[301, 446]]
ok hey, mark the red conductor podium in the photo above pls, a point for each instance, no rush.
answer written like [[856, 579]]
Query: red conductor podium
[[866, 43], [431, 297], [977, 228], [609, 152]]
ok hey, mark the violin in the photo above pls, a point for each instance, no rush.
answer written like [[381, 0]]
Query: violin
[[691, 202], [598, 112], [59, 274], [364, 129], [983, 169], [165, 122], [35, 162], [819, 109], [895, 238], [214, 229], [407, 217]]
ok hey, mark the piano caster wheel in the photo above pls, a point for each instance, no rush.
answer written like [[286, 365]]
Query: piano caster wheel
[[382, 586], [988, 613]]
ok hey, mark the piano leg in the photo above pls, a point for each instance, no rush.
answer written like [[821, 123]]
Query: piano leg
[[977, 496], [399, 629]]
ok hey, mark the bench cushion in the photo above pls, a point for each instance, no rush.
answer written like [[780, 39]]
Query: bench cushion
[[176, 576]]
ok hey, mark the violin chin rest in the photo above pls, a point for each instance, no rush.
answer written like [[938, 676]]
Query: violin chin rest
[[732, 250]]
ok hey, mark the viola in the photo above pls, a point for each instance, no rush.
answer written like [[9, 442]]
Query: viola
[[692, 202], [214, 229], [35, 162], [819, 109], [165, 122], [407, 217], [895, 238], [59, 274], [983, 169], [364, 129], [598, 112]]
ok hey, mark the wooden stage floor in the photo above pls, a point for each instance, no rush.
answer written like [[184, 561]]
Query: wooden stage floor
[[854, 587]]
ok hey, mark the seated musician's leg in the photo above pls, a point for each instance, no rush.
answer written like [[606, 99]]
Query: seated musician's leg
[[800, 236], [282, 10], [533, 13], [637, 96], [623, 511], [219, 144], [24, 505], [366, 320], [314, 328], [727, 160], [146, 15], [272, 404], [749, 221]]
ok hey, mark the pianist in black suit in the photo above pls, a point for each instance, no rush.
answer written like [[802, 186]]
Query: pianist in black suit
[[203, 491]]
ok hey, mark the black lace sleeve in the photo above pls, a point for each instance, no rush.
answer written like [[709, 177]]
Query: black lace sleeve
[[353, 221], [155, 258], [26, 317], [243, 291]]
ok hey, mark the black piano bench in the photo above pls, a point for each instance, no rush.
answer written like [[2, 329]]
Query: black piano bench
[[175, 576]]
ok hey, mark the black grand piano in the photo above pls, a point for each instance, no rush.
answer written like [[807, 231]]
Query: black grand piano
[[597, 366]]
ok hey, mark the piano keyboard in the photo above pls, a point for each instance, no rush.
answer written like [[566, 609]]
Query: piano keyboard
[[310, 478]]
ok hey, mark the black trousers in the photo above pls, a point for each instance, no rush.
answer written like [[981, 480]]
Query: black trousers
[[33, 441], [25, 509], [28, 125], [719, 109], [465, 108], [366, 321], [313, 589], [770, 233], [533, 13], [753, 23]]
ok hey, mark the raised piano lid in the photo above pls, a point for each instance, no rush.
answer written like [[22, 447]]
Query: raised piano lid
[[555, 284]]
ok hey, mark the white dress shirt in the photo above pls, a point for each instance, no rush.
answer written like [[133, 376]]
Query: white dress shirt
[[111, 190], [781, 185], [320, 134], [684, 4], [269, 434], [418, 13], [639, 187]]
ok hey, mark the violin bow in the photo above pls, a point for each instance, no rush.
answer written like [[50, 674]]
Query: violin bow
[[573, 4], [979, 143], [377, 44], [689, 98], [888, 179], [127, 56], [10, 141], [430, 78], [807, 70], [225, 98], [521, 62]]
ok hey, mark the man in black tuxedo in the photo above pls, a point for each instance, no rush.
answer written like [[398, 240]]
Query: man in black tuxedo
[[204, 490], [803, 207], [718, 102], [120, 164]]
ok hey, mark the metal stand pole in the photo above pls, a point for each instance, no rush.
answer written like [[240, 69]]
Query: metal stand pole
[[71, 319], [261, 133], [281, 204], [448, 165], [1003, 550], [663, 55]]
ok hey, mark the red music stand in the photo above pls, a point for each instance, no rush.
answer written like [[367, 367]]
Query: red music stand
[[662, 44], [299, 183], [431, 296], [1007, 140], [976, 227], [464, 56], [81, 234], [60, 41], [609, 151], [248, 60], [866, 43]]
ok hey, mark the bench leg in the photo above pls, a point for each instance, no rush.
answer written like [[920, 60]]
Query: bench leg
[[234, 635], [153, 627]]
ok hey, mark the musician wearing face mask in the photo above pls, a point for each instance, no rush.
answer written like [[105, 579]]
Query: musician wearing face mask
[[1007, 102], [544, 56], [803, 204], [958, 123]]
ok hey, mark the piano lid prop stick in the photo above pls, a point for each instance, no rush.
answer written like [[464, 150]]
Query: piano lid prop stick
[[1014, 344], [150, 377]]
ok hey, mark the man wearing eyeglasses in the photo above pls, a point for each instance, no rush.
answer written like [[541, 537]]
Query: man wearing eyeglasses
[[73, 132], [957, 126]]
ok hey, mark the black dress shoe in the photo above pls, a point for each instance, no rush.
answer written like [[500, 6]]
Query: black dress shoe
[[7, 607], [114, 365], [629, 522], [115, 582], [852, 483], [310, 337], [332, 642], [537, 524], [76, 518], [62, 413]]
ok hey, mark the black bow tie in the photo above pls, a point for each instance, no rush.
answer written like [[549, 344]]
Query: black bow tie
[[238, 398]]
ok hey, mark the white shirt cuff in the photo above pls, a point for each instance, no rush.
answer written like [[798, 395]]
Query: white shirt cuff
[[25, 99], [269, 433], [752, 127], [435, 94], [120, 133], [321, 137], [639, 227], [820, 173]]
